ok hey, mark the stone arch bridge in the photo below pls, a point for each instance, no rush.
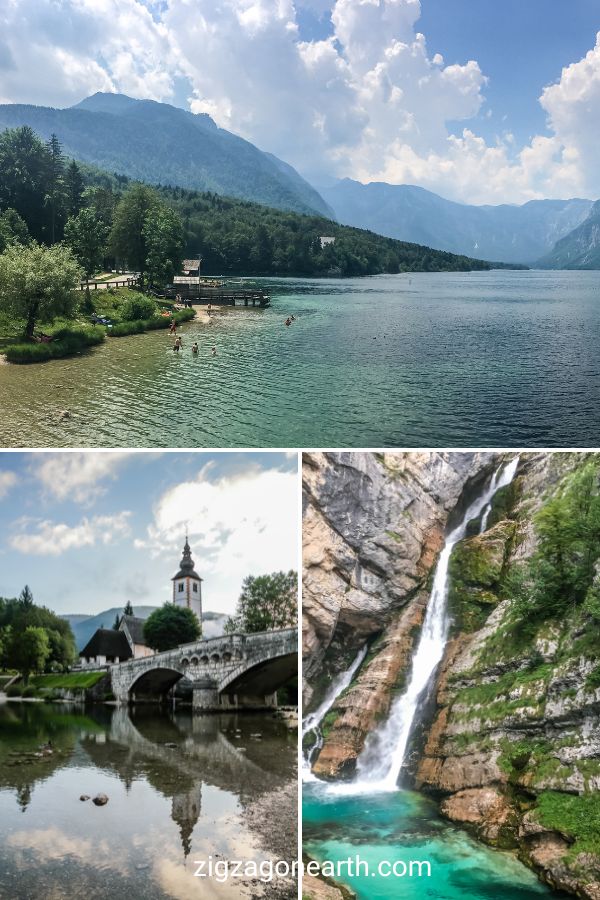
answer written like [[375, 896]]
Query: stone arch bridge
[[232, 671]]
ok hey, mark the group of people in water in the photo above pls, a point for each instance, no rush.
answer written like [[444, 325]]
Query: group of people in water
[[178, 345]]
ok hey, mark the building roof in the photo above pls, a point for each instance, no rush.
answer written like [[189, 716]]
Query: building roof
[[135, 627], [186, 566], [107, 642]]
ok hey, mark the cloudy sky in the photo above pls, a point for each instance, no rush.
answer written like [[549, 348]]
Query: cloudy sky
[[480, 100], [86, 531]]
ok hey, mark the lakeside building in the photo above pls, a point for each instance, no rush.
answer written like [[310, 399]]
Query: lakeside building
[[113, 645]]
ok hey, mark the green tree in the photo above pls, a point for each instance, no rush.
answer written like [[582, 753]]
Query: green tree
[[128, 237], [55, 188], [38, 283], [86, 235], [29, 650], [26, 598], [164, 238], [13, 229], [266, 602], [128, 609], [117, 622], [74, 188], [24, 167], [562, 571], [171, 626]]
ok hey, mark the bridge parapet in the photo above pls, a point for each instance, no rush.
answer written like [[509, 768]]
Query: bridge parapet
[[213, 665]]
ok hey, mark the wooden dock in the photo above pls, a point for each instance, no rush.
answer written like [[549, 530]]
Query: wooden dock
[[219, 296]]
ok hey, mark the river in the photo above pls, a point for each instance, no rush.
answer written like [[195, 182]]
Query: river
[[452, 359], [181, 788]]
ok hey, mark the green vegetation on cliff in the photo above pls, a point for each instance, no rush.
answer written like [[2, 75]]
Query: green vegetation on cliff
[[576, 817]]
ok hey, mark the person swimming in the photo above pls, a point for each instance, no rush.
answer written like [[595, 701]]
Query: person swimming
[[194, 348], [178, 344], [214, 351], [288, 321]]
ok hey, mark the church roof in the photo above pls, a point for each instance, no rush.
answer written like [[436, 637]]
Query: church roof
[[107, 642], [135, 627], [186, 566]]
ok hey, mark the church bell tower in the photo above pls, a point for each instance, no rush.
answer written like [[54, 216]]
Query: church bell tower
[[187, 584]]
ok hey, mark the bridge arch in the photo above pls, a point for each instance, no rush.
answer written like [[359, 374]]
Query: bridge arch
[[265, 675], [153, 683]]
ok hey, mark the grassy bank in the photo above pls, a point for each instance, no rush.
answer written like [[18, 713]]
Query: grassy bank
[[65, 342], [67, 680], [138, 326], [129, 312]]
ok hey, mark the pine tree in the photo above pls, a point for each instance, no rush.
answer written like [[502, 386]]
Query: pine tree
[[56, 193], [74, 185], [128, 609], [26, 597]]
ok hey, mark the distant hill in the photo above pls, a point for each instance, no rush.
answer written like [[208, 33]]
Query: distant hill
[[580, 249], [162, 144], [83, 626], [517, 234]]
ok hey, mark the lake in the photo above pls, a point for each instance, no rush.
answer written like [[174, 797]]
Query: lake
[[403, 825], [447, 360], [180, 789]]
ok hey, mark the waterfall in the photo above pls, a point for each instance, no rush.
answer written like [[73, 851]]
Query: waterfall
[[380, 763], [485, 517], [313, 720]]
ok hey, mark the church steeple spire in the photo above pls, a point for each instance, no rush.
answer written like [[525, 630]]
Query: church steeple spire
[[187, 584]]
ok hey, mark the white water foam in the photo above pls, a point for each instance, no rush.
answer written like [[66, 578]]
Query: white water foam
[[379, 765]]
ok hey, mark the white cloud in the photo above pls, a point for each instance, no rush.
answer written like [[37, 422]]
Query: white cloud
[[77, 476], [7, 481], [45, 538], [238, 525], [57, 52], [371, 102]]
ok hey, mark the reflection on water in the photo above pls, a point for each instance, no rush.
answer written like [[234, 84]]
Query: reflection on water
[[456, 359], [406, 826], [180, 789]]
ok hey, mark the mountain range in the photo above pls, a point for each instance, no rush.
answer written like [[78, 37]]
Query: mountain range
[[163, 144], [580, 249], [84, 626], [505, 233]]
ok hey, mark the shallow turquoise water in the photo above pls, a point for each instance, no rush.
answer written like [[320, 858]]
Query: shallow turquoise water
[[447, 360], [405, 826]]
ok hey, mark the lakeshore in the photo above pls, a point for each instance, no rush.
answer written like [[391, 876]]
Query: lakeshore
[[381, 361]]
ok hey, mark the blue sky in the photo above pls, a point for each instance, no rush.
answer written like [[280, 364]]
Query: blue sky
[[521, 45], [87, 531], [479, 100]]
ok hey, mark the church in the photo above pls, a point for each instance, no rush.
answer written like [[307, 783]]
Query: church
[[114, 645]]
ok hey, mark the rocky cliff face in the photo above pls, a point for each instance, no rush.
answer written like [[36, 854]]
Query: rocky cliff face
[[373, 525], [512, 750]]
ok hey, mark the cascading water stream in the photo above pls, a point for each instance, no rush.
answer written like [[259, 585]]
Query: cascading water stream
[[313, 720], [379, 765]]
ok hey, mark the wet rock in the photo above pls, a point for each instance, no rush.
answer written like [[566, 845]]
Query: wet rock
[[100, 800], [487, 810], [85, 797]]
